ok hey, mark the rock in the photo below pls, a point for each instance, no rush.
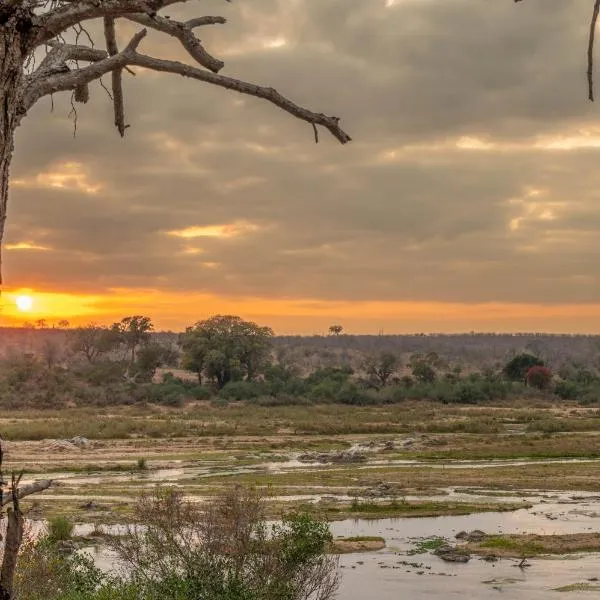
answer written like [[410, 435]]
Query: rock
[[90, 505], [381, 490], [490, 558], [62, 446], [66, 546], [450, 554], [343, 456], [389, 446], [472, 536], [80, 441]]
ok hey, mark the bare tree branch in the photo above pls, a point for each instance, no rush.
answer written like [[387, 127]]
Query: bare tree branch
[[65, 16], [183, 32], [117, 76], [200, 21], [40, 87], [332, 124], [129, 56], [27, 490], [590, 48], [56, 59], [590, 71]]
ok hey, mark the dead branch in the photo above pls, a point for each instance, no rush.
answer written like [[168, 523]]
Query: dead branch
[[590, 48], [592, 37], [332, 124], [60, 82], [200, 21], [117, 76], [27, 490], [65, 16], [57, 82], [183, 32]]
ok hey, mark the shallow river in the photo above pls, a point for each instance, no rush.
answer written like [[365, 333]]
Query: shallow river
[[392, 574]]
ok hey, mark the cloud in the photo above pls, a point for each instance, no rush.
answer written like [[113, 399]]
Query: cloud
[[472, 177]]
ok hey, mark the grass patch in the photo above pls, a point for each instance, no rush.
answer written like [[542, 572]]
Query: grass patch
[[356, 544], [427, 545], [578, 587], [519, 546], [390, 510]]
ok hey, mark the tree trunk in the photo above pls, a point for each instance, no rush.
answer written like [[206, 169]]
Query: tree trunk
[[14, 535], [11, 75]]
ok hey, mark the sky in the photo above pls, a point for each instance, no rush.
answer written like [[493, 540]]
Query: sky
[[468, 199]]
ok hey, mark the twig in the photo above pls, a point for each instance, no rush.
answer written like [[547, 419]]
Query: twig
[[590, 71]]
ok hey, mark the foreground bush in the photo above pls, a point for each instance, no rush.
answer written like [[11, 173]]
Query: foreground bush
[[224, 550]]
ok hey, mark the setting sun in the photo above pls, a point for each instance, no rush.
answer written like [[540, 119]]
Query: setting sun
[[24, 303]]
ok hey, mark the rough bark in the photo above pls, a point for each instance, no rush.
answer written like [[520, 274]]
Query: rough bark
[[11, 74], [14, 535]]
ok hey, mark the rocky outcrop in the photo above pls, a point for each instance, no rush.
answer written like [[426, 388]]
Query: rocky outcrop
[[471, 536], [452, 554]]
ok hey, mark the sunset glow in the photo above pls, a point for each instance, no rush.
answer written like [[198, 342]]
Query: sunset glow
[[24, 303], [467, 201], [175, 311]]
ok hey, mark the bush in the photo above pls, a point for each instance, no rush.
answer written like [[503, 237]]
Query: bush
[[236, 554], [516, 369], [59, 529], [539, 377], [200, 392], [350, 393], [242, 390], [567, 390]]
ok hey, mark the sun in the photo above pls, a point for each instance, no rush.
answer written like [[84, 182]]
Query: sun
[[24, 303]]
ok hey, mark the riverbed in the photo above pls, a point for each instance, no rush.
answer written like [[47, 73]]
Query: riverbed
[[398, 572]]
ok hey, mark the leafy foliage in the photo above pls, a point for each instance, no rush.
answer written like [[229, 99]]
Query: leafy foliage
[[226, 348], [517, 367]]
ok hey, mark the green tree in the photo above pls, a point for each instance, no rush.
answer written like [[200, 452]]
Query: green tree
[[423, 372], [149, 358], [380, 368], [93, 341], [516, 368], [226, 348], [134, 331]]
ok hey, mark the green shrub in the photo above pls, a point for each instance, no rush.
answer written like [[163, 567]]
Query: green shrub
[[567, 390], [516, 368], [242, 390], [59, 529], [200, 392]]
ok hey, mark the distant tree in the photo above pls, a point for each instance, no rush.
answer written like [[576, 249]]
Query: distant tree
[[539, 377], [226, 348], [41, 324], [63, 324], [149, 358], [380, 368], [517, 367], [335, 330], [93, 341], [195, 347], [134, 331], [423, 372], [51, 352]]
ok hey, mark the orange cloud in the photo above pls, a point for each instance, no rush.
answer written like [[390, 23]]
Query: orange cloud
[[175, 311]]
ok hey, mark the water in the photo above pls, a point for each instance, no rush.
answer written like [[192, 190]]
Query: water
[[384, 575]]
